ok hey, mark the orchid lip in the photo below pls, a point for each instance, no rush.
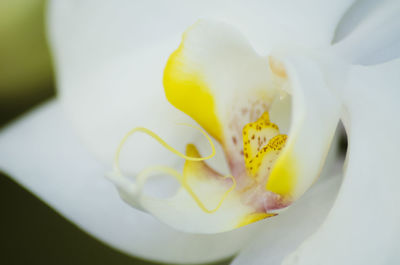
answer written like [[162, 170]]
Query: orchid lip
[[261, 146], [238, 98]]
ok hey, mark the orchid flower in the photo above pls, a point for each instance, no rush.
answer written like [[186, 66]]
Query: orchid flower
[[259, 84]]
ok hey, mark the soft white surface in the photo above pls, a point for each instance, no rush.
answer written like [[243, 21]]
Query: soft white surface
[[102, 66], [42, 153], [286, 231], [235, 76], [307, 23], [233, 72], [375, 31], [315, 115], [110, 59], [364, 224], [110, 55]]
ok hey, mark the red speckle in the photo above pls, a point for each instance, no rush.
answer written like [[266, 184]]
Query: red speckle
[[234, 140]]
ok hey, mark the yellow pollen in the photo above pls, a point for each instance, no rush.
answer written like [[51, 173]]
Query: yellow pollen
[[262, 142]]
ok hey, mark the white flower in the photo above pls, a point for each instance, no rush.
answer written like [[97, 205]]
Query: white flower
[[109, 61]]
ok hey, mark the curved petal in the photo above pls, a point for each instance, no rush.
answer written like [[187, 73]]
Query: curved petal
[[125, 24], [315, 115], [286, 231], [306, 23], [108, 102], [282, 234], [220, 81], [363, 226], [109, 64], [216, 78], [106, 53], [375, 38], [42, 153]]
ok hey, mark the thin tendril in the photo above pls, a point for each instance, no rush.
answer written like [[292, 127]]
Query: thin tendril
[[163, 143], [170, 171]]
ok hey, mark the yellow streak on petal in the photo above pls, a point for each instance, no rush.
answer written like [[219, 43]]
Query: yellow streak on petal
[[283, 178], [201, 169], [196, 168], [186, 89], [251, 218]]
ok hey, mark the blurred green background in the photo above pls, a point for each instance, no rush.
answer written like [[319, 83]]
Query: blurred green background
[[25, 66], [30, 231]]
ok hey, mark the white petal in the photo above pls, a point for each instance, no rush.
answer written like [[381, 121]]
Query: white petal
[[43, 154], [108, 87], [108, 102], [375, 38], [364, 224], [109, 64], [217, 78], [92, 32], [286, 231], [282, 235], [315, 115], [215, 60], [270, 24], [212, 76], [182, 213], [108, 53]]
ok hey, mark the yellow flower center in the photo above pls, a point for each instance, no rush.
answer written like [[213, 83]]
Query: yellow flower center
[[262, 142]]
